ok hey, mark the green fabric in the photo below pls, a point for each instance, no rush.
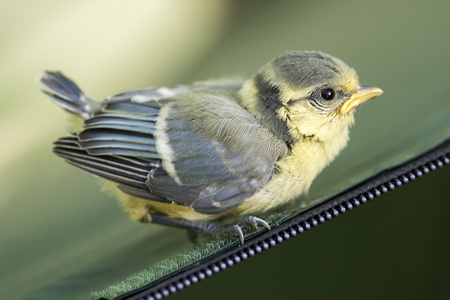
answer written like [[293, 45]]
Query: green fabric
[[60, 237]]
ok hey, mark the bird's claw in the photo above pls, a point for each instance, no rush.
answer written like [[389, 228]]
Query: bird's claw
[[251, 220], [239, 232], [257, 221], [212, 229]]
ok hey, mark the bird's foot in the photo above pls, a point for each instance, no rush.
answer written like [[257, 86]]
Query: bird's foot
[[236, 228], [209, 228]]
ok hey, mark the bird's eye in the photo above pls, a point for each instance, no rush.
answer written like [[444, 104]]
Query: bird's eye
[[328, 94]]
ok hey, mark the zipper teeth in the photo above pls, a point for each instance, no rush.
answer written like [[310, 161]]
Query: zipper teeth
[[294, 229]]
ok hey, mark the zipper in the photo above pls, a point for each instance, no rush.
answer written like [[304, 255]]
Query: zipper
[[368, 190]]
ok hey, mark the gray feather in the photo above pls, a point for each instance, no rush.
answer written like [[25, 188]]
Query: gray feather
[[111, 168], [219, 152], [65, 93]]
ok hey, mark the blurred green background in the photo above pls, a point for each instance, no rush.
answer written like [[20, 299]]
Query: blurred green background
[[55, 225]]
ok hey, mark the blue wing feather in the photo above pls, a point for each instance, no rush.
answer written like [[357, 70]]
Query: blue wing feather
[[111, 168], [130, 108], [213, 172]]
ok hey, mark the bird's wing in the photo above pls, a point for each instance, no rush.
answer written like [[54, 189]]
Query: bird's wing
[[199, 150], [214, 153]]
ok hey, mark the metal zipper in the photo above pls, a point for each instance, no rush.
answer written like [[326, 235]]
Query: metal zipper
[[376, 186]]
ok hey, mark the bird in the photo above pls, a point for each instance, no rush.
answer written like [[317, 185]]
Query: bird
[[189, 156]]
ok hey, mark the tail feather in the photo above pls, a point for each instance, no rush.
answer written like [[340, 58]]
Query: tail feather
[[67, 94]]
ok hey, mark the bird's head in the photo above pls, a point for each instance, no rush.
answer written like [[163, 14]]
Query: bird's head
[[306, 94]]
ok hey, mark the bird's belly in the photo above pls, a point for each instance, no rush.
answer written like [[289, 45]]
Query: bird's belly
[[277, 192]]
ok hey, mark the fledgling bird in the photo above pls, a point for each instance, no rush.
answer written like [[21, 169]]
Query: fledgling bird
[[189, 155]]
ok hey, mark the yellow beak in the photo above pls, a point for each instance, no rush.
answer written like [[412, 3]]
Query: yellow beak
[[363, 94]]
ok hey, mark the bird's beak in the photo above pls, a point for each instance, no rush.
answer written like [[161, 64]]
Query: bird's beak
[[362, 94]]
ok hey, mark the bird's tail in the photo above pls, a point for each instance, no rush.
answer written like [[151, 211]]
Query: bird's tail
[[68, 95]]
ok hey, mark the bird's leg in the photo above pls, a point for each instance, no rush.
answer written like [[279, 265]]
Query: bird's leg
[[209, 228]]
